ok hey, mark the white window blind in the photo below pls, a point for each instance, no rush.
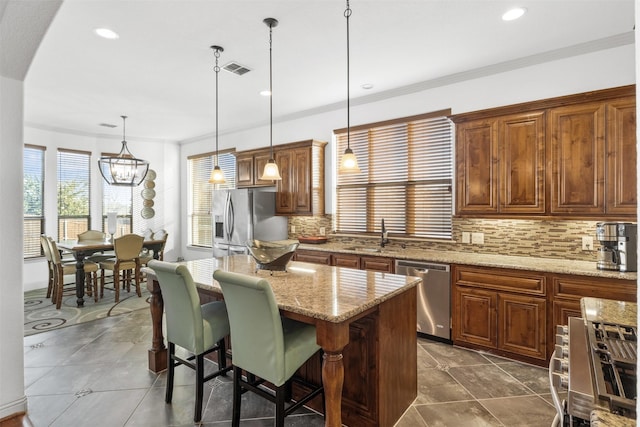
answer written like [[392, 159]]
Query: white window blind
[[74, 172], [33, 201], [119, 199], [406, 177], [200, 196]]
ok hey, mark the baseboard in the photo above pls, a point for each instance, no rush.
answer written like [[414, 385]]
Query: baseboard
[[12, 409]]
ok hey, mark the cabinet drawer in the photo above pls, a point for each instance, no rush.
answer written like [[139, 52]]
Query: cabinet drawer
[[377, 263], [577, 287], [316, 257], [501, 279], [346, 260]]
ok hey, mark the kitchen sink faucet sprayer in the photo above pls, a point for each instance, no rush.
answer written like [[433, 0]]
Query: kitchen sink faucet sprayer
[[384, 239]]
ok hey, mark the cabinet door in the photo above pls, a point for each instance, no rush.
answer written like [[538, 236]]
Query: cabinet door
[[346, 260], [301, 183], [475, 319], [577, 159], [316, 257], [522, 163], [622, 186], [244, 171], [377, 263], [477, 157], [284, 195], [522, 325]]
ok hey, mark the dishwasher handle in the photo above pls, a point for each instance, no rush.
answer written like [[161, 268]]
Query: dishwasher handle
[[420, 267]]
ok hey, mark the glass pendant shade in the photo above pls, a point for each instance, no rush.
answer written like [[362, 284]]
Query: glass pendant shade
[[217, 176], [349, 163], [123, 169], [271, 171]]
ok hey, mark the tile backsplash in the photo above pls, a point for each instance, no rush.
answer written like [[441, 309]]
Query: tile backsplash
[[537, 238]]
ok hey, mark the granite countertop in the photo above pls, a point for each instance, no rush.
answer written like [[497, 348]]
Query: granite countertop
[[604, 418], [322, 292], [549, 265], [609, 311]]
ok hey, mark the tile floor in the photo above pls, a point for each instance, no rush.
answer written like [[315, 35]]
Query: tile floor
[[95, 374]]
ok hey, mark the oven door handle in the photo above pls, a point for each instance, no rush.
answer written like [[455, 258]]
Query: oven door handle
[[557, 421]]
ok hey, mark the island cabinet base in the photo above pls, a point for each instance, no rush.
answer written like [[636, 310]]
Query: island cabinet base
[[380, 364]]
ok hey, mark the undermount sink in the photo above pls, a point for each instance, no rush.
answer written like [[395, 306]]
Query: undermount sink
[[363, 249]]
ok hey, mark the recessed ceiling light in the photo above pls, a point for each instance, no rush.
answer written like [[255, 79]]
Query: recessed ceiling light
[[265, 92], [366, 86], [107, 33], [514, 13]]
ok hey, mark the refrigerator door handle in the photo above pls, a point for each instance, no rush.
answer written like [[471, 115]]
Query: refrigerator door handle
[[230, 217]]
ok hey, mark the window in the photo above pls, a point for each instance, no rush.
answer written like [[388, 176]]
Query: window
[[407, 170], [33, 201], [119, 199], [200, 166], [74, 171]]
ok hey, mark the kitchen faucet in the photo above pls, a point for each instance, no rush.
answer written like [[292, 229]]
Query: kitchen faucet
[[383, 236]]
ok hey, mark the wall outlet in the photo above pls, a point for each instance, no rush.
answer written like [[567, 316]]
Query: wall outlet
[[477, 238], [293, 229], [323, 231], [587, 243], [466, 237]]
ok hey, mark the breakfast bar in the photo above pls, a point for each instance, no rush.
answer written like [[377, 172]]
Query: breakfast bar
[[365, 323]]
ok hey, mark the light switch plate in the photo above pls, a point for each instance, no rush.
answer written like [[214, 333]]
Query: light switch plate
[[323, 231], [466, 237], [293, 229], [477, 238], [587, 243]]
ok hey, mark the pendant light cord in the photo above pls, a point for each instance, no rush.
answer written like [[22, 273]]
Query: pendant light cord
[[271, 89], [347, 14], [124, 127], [217, 70]]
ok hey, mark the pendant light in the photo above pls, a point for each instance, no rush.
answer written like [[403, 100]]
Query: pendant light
[[217, 176], [271, 171], [349, 163], [123, 169]]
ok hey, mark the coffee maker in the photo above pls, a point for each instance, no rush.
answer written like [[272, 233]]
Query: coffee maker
[[618, 246], [627, 246], [607, 235]]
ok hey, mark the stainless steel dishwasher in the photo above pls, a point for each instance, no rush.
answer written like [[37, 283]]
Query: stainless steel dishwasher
[[433, 296]]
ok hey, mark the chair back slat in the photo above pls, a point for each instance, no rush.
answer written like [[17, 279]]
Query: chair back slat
[[182, 305], [91, 235], [256, 328]]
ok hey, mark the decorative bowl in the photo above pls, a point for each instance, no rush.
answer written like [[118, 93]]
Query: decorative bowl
[[271, 255]]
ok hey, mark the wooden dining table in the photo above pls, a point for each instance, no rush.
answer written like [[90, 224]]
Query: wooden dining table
[[81, 250], [376, 309]]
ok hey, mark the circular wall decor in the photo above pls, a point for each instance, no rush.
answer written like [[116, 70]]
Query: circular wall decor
[[147, 203], [151, 175], [147, 213], [148, 193], [149, 184]]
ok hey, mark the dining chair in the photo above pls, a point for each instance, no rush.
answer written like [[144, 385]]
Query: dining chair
[[199, 329], [61, 269], [264, 344], [95, 235], [126, 261], [146, 256]]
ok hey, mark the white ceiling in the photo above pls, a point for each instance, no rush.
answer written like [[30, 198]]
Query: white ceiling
[[160, 71]]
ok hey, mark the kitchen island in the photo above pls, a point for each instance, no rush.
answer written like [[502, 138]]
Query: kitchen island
[[365, 323]]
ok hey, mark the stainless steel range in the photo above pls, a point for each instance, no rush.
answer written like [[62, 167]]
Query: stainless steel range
[[594, 362]]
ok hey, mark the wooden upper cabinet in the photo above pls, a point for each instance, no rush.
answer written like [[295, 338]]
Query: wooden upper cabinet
[[577, 159], [301, 190], [521, 143], [249, 167], [476, 157], [621, 185]]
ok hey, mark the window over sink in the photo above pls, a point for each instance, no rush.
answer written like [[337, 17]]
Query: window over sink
[[407, 177]]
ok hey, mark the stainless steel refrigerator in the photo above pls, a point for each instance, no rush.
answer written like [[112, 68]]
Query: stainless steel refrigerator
[[244, 214]]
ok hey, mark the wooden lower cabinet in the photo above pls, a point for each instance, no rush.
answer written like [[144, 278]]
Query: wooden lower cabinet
[[502, 311], [315, 257], [377, 263], [345, 260]]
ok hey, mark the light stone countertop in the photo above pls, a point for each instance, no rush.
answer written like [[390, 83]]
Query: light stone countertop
[[604, 418], [322, 292], [550, 265], [609, 311]]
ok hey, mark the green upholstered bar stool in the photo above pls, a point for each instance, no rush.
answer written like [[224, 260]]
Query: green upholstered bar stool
[[199, 329], [263, 343]]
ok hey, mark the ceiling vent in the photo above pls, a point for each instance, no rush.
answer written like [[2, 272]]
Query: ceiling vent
[[108, 125], [235, 68]]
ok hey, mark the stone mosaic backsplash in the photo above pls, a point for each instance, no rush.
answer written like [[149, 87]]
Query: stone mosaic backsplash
[[537, 238]]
